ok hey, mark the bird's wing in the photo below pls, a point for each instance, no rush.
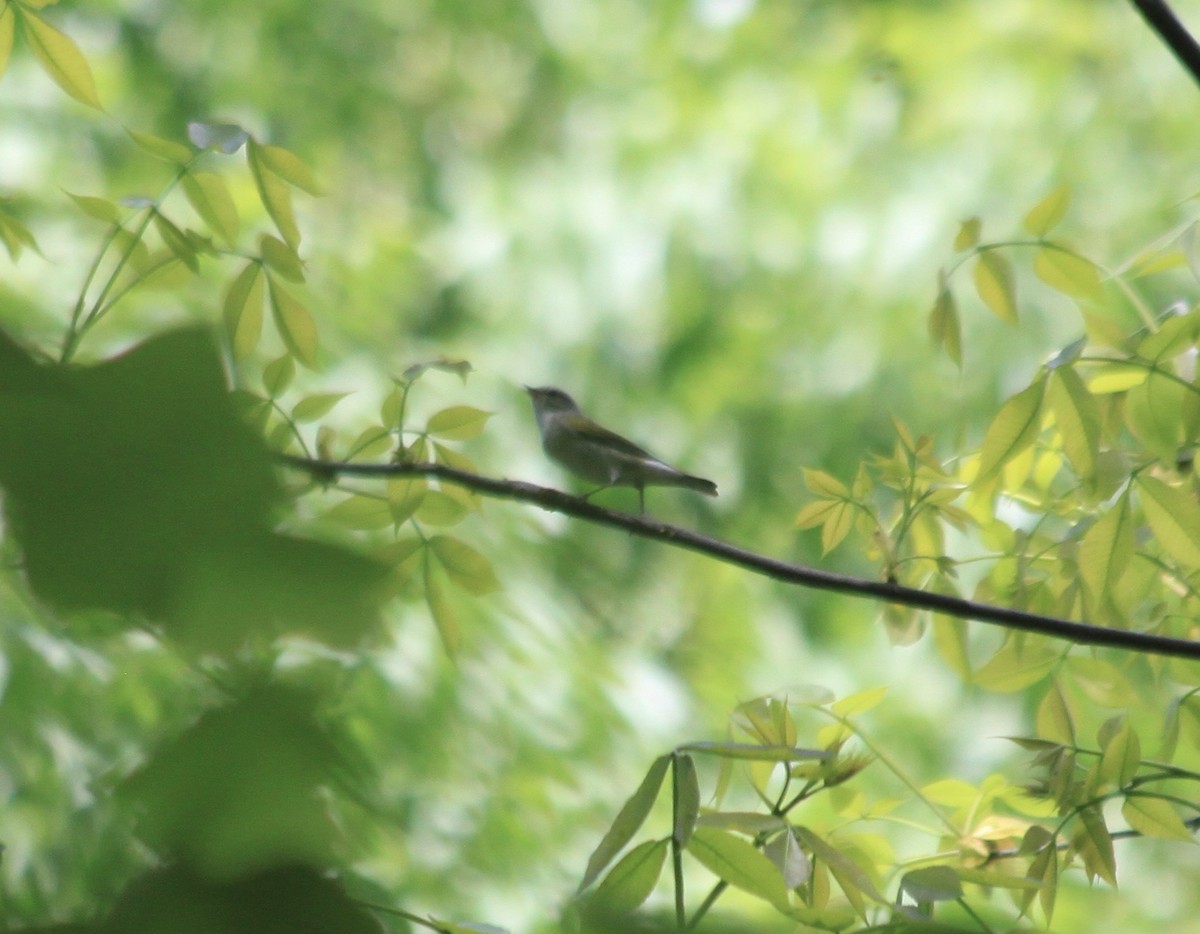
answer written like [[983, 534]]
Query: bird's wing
[[601, 435]]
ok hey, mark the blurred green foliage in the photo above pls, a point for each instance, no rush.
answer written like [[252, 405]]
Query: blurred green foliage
[[720, 224]]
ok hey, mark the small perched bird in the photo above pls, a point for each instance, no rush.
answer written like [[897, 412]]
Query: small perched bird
[[595, 453]]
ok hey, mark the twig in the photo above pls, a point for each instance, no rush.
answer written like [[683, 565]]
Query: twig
[[1167, 26]]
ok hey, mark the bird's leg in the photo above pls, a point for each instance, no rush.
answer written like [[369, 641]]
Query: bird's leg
[[641, 500], [598, 489]]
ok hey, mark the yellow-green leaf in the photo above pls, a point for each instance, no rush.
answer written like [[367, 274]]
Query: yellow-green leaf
[[1094, 843], [1155, 817], [443, 613], [1106, 549], [244, 311], [632, 879], [1045, 215], [859, 702], [458, 422], [405, 495], [1121, 756], [467, 567], [281, 258], [439, 508], [968, 234], [275, 196], [160, 148], [287, 165], [61, 58], [319, 404], [1054, 721], [850, 876], [1013, 430], [295, 324], [362, 513], [1067, 272], [1077, 415], [1013, 668], [97, 208], [628, 821], [176, 241], [1174, 518], [737, 862], [208, 195], [277, 375], [945, 327], [996, 285], [837, 526], [7, 28], [824, 484]]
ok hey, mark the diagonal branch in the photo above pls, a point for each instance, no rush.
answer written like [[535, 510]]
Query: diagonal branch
[[1171, 31], [556, 501]]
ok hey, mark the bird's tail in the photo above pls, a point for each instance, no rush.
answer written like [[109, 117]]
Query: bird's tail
[[699, 484]]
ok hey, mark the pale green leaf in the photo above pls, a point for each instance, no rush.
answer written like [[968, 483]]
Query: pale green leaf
[[859, 702], [1106, 549], [996, 285], [277, 375], [632, 879], [281, 258], [1154, 817], [1013, 668], [686, 798], [1173, 336], [849, 874], [837, 526], [176, 241], [275, 196], [458, 422], [160, 148], [96, 208], [754, 751], [944, 325], [1094, 843], [405, 495], [371, 443], [295, 324], [361, 512], [746, 822], [824, 484], [1046, 214], [61, 58], [628, 821], [440, 508], [466, 567], [316, 406], [1054, 721], [1174, 518], [1077, 415], [244, 311], [208, 195], [968, 234], [737, 862], [442, 612], [932, 884], [7, 28], [1121, 756], [1014, 429], [1067, 272], [287, 165]]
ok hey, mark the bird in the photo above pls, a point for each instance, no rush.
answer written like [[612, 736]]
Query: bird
[[593, 452]]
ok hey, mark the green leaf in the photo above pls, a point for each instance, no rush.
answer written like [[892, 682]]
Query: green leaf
[[1077, 415], [440, 508], [287, 165], [824, 484], [632, 879], [96, 208], [1044, 870], [1106, 549], [793, 863], [467, 568], [1067, 272], [1121, 756], [281, 258], [275, 196], [747, 822], [859, 702], [630, 819], [755, 752], [1016, 666], [16, 236], [687, 798], [226, 138], [277, 375], [7, 29], [1046, 214], [405, 495], [737, 862], [294, 322], [244, 311], [1014, 429], [61, 58], [996, 285], [848, 873], [1054, 721], [932, 884], [442, 612], [968, 234], [1154, 817], [160, 148], [457, 423], [945, 328], [363, 513], [372, 442], [1094, 843], [207, 194], [1174, 518], [176, 241], [316, 406]]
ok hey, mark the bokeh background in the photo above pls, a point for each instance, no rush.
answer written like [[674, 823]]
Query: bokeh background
[[719, 225]]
